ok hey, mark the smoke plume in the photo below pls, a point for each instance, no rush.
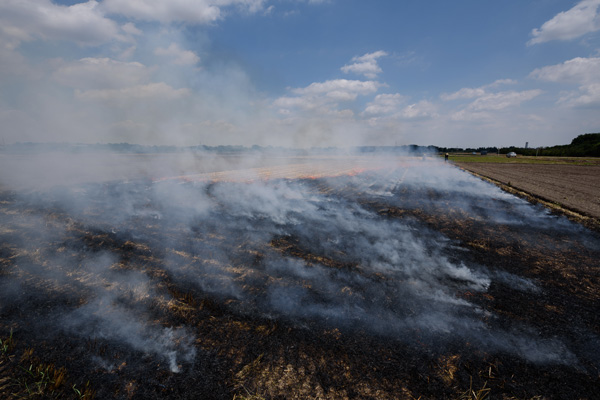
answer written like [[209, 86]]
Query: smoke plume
[[305, 251]]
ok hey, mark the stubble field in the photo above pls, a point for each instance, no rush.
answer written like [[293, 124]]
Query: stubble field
[[344, 278]]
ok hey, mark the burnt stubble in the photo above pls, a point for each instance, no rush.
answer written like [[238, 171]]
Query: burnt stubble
[[418, 280]]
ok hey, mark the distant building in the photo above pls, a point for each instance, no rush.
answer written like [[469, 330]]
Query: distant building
[[526, 144]]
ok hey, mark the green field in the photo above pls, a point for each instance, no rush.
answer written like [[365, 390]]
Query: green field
[[494, 158]]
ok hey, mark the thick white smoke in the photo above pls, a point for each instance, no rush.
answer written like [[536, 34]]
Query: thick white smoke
[[306, 251]]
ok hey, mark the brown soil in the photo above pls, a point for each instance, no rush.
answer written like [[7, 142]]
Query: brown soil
[[570, 186]]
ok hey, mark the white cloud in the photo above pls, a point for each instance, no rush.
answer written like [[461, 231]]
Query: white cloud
[[484, 101], [131, 29], [322, 98], [179, 56], [190, 11], [285, 103], [502, 100], [471, 93], [584, 72], [365, 65], [385, 104], [500, 82], [164, 11], [577, 70], [465, 115], [151, 91], [464, 93], [269, 10], [101, 73], [588, 96], [339, 89], [83, 23], [579, 20], [421, 110]]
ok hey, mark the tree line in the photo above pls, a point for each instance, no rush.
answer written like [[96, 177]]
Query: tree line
[[586, 145]]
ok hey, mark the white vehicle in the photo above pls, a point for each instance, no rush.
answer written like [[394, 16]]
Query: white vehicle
[[511, 154]]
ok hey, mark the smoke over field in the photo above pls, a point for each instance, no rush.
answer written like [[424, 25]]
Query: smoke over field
[[332, 277]]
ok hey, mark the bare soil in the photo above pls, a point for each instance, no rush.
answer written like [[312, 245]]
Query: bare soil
[[574, 187]]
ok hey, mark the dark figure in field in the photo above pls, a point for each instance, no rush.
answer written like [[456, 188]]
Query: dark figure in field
[[446, 157]]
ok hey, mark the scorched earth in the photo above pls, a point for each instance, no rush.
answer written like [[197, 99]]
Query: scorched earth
[[395, 278]]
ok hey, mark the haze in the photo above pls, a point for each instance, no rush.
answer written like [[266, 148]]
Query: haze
[[299, 73]]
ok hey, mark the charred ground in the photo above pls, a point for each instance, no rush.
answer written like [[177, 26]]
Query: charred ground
[[380, 285]]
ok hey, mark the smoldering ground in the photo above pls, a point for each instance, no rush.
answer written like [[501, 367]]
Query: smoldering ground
[[304, 251]]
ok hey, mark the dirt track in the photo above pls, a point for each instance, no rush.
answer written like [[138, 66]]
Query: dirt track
[[572, 186]]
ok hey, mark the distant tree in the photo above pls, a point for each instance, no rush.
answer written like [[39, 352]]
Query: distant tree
[[586, 145]]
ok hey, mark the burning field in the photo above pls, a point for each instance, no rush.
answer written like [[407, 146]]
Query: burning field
[[350, 278]]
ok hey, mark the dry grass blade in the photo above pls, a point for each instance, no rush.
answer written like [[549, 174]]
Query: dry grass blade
[[473, 394]]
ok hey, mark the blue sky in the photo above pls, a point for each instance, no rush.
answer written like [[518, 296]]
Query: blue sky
[[300, 72]]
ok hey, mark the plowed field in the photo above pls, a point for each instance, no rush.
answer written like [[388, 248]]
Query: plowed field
[[572, 186]]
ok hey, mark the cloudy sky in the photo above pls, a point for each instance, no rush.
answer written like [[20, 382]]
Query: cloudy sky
[[299, 72]]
